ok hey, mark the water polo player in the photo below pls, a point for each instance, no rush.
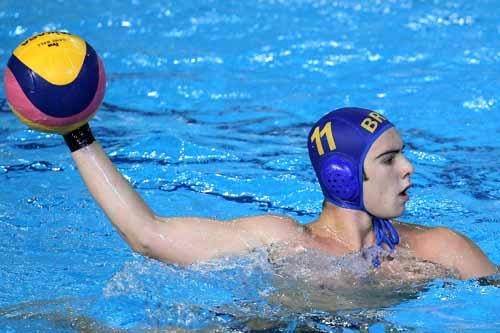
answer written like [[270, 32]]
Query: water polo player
[[356, 154]]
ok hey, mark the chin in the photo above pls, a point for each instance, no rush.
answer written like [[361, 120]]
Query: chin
[[390, 212], [393, 214], [400, 212], [387, 215]]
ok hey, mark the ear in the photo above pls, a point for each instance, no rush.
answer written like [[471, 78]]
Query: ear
[[339, 177]]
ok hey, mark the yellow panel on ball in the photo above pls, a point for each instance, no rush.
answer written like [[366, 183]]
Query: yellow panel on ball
[[42, 54]]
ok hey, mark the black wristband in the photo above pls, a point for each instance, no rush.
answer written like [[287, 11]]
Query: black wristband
[[79, 138]]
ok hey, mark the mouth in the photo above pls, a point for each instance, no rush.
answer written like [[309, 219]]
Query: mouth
[[403, 194]]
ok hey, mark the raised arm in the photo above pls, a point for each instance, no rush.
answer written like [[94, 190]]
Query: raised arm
[[55, 82], [180, 239], [121, 204]]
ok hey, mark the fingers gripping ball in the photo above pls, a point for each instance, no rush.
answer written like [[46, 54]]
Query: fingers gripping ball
[[54, 82]]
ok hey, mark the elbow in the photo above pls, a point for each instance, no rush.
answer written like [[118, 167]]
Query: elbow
[[141, 246], [152, 243], [165, 242], [142, 241]]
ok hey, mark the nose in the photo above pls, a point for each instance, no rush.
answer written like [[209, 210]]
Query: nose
[[406, 168]]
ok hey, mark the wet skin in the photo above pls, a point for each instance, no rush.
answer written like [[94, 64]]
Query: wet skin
[[337, 231]]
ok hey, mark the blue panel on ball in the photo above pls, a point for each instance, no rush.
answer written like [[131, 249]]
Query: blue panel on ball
[[54, 100]]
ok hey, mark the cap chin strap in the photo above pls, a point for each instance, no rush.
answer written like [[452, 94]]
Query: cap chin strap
[[385, 232]]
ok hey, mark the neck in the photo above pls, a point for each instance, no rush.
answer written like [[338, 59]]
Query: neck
[[352, 229]]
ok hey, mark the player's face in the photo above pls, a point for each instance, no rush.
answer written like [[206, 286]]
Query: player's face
[[388, 172]]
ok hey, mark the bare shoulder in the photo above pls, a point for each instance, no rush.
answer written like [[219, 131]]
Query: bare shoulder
[[272, 227], [447, 247], [422, 239], [271, 222], [444, 235], [410, 231]]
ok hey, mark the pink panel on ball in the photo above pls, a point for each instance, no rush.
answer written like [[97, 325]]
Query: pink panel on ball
[[26, 109], [17, 98]]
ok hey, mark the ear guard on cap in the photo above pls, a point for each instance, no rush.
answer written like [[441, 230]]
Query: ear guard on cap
[[339, 179]]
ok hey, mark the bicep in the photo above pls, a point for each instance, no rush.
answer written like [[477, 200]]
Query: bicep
[[187, 239]]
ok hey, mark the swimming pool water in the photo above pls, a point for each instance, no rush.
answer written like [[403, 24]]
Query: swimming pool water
[[206, 112]]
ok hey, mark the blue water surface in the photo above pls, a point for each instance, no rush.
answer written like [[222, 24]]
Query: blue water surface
[[206, 113]]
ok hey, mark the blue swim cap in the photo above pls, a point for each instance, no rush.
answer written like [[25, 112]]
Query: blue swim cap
[[338, 144]]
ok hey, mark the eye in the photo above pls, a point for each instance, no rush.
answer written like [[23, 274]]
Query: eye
[[389, 160]]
